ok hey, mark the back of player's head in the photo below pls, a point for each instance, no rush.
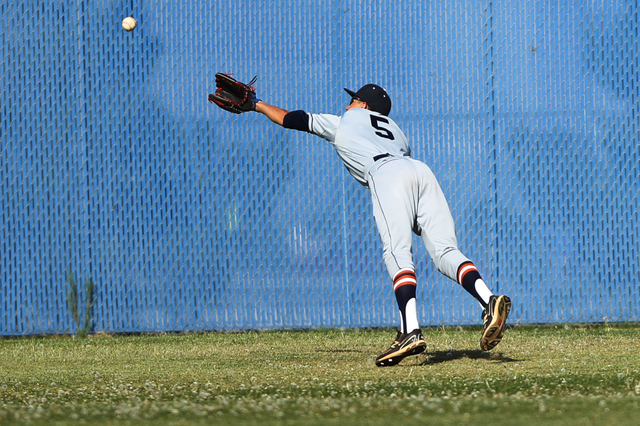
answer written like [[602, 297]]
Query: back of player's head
[[375, 96]]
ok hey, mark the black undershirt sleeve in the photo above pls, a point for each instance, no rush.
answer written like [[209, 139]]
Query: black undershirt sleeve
[[297, 120]]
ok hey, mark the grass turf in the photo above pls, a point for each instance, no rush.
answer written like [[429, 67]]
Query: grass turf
[[553, 375]]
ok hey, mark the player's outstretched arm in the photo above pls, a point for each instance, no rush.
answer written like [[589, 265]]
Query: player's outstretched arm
[[274, 113]]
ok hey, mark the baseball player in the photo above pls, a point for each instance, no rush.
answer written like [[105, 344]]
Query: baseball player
[[406, 199]]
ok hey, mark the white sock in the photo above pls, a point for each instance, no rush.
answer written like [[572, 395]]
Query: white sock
[[412, 315], [482, 290]]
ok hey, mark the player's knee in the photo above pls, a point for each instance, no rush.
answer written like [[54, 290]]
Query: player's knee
[[396, 263], [448, 260]]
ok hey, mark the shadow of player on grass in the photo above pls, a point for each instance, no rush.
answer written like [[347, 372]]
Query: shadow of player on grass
[[437, 357]]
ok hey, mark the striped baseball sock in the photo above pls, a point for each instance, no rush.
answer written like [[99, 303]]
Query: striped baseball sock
[[470, 279], [404, 287]]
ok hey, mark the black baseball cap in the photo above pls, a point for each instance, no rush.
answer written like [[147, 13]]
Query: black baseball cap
[[375, 96]]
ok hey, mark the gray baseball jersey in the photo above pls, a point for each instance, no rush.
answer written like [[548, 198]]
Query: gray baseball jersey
[[405, 193], [359, 136]]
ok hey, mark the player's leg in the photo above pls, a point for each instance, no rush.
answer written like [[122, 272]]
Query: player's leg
[[469, 278], [438, 234], [394, 212]]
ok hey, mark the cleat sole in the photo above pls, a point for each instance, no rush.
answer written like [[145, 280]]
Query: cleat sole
[[494, 332]]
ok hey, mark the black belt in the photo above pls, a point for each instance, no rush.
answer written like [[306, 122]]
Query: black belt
[[381, 156]]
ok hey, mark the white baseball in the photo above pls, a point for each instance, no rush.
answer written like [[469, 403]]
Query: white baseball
[[129, 23]]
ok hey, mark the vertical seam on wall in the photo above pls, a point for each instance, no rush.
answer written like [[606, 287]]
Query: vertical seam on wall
[[494, 149]]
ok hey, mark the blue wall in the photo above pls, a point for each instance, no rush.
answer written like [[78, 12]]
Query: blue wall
[[114, 167]]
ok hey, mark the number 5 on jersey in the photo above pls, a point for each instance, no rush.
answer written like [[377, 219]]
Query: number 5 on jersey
[[383, 132]]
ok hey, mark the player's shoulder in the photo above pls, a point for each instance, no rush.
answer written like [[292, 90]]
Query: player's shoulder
[[325, 120], [324, 125]]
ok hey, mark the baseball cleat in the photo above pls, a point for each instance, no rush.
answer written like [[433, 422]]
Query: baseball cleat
[[405, 345], [494, 317]]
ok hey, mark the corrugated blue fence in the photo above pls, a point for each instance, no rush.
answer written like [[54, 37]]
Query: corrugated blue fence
[[114, 167]]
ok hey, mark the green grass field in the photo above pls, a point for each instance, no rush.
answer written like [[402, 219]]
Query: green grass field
[[564, 375]]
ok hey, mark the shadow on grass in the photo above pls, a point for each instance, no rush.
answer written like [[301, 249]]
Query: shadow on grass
[[438, 357]]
